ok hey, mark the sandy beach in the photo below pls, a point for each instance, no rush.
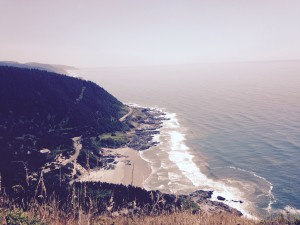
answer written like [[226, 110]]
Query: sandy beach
[[126, 166], [130, 168]]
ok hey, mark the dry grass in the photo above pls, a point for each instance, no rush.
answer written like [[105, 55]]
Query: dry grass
[[180, 218], [50, 214], [43, 216]]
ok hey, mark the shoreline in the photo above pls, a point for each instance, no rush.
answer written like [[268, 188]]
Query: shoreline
[[147, 142], [184, 174], [129, 169]]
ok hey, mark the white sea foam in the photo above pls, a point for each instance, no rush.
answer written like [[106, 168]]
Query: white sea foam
[[291, 210], [160, 187], [180, 156], [174, 176], [155, 137], [272, 199], [134, 105]]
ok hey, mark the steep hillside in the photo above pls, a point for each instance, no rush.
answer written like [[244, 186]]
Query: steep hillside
[[44, 110]]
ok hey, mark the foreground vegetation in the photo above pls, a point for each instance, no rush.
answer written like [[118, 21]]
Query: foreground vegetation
[[90, 204], [43, 217], [50, 214]]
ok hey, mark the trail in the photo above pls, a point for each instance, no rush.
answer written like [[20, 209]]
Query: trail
[[61, 161], [128, 114], [77, 147]]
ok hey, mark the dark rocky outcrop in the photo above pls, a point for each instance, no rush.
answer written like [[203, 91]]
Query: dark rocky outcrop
[[203, 199], [220, 198]]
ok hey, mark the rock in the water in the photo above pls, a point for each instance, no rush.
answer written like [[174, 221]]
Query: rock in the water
[[237, 201], [221, 198], [201, 195]]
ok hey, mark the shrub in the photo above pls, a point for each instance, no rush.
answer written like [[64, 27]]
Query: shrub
[[17, 217]]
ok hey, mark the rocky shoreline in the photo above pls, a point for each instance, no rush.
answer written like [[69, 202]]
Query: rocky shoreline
[[119, 163], [145, 123], [202, 198]]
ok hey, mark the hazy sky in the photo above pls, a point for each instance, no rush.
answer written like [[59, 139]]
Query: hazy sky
[[94, 33]]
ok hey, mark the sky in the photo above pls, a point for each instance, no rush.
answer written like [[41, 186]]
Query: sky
[[97, 33]]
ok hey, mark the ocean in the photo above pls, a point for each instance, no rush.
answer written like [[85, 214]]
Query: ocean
[[233, 128]]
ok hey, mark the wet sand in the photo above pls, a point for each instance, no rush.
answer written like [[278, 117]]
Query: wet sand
[[130, 168]]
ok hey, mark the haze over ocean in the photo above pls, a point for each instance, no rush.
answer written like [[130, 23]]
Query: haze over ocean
[[242, 120]]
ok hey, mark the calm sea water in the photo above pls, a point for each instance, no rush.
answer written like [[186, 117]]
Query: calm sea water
[[241, 123]]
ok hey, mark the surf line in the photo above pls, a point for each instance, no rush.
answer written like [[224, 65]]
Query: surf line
[[180, 155]]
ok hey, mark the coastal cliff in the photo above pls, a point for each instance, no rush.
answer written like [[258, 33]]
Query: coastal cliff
[[55, 131]]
